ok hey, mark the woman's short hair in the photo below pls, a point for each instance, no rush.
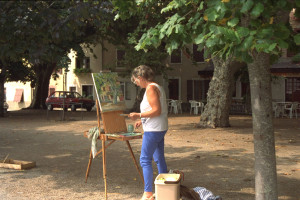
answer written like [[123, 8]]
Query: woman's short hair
[[143, 71]]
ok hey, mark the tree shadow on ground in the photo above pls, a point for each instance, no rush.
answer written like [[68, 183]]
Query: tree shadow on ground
[[61, 153]]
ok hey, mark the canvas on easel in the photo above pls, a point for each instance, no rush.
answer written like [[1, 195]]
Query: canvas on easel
[[111, 101], [110, 105]]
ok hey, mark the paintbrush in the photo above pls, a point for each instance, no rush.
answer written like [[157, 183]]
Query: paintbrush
[[124, 115]]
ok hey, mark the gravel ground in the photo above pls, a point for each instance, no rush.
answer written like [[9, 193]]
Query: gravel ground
[[220, 160]]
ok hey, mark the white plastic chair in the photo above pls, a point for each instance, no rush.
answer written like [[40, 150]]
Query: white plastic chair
[[179, 102], [193, 105], [173, 106], [196, 106], [292, 109]]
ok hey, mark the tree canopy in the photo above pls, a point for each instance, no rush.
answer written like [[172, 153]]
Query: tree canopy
[[223, 27], [44, 30], [40, 34]]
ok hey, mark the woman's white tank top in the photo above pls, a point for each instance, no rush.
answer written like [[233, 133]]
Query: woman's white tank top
[[158, 123]]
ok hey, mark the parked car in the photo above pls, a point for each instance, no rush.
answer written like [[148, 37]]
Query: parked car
[[65, 99], [5, 107]]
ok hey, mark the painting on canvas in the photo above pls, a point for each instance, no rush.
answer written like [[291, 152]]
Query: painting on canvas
[[108, 91]]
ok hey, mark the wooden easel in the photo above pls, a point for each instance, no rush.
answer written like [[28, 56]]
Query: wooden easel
[[109, 120]]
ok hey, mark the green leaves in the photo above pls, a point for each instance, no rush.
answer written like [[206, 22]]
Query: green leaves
[[297, 39], [211, 42], [247, 43], [199, 39], [200, 6], [214, 29], [247, 6], [281, 31], [267, 46], [282, 44], [233, 22], [267, 32], [272, 47], [229, 34], [233, 27], [179, 28], [246, 57], [211, 14], [242, 31], [151, 37], [173, 5], [283, 3], [257, 10], [170, 24]]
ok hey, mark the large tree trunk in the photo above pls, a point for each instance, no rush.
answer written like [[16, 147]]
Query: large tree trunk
[[263, 133], [216, 111], [43, 73], [2, 81]]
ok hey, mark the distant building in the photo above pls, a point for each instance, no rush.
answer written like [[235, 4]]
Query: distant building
[[188, 80]]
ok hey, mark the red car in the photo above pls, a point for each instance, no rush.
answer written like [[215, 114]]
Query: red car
[[73, 100]]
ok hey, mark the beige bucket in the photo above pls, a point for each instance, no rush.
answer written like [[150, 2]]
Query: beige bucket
[[167, 187]]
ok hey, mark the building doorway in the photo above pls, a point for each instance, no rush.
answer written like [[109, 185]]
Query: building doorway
[[194, 90], [292, 89], [87, 91], [174, 88]]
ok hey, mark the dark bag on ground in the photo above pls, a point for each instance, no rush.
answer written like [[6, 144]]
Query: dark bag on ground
[[197, 193]]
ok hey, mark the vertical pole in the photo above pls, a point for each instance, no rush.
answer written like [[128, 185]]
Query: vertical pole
[[134, 161], [89, 165], [47, 113], [63, 115], [81, 112], [103, 138], [66, 82], [104, 165], [98, 114]]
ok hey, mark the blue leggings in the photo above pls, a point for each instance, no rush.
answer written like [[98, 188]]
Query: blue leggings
[[152, 146]]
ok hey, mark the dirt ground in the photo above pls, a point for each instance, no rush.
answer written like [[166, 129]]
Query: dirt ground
[[220, 160]]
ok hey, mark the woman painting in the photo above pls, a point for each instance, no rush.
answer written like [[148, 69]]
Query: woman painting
[[153, 118]]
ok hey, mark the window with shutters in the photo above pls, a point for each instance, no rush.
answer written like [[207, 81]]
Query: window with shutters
[[82, 63], [198, 56], [125, 87], [72, 89], [176, 56], [292, 89], [120, 57]]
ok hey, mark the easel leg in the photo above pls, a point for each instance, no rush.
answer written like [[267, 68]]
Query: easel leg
[[104, 166], [134, 160], [91, 159], [105, 147], [88, 168]]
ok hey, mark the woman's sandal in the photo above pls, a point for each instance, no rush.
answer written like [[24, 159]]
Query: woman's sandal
[[148, 198]]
